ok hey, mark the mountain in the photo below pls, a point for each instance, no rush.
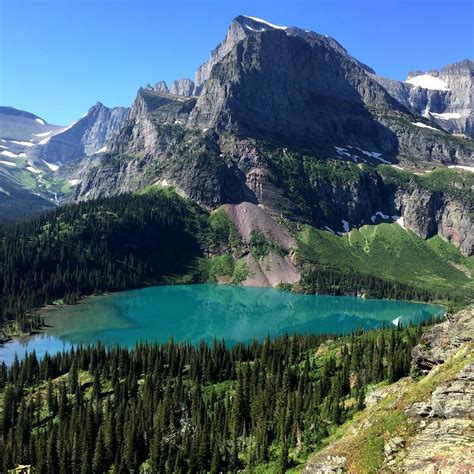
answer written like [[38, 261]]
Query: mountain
[[21, 126], [444, 96], [86, 136], [33, 151], [288, 120]]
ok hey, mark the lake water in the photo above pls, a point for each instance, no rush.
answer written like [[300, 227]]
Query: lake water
[[201, 312]]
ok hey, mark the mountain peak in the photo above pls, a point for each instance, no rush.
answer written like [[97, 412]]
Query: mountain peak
[[257, 25]]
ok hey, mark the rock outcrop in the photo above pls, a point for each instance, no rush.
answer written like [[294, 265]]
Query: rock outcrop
[[444, 441], [429, 213], [162, 87], [435, 430], [183, 87], [442, 341]]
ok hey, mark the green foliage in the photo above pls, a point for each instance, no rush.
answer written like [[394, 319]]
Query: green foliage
[[221, 266], [222, 231], [110, 244], [454, 182], [389, 253], [241, 272], [182, 408], [261, 245]]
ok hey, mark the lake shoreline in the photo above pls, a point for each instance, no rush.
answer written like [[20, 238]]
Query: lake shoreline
[[202, 312], [50, 308]]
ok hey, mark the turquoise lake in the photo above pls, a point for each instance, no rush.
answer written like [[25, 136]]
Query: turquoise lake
[[203, 312]]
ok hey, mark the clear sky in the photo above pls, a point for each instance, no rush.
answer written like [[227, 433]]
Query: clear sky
[[59, 57]]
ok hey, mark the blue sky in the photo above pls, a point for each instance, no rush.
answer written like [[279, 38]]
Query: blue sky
[[59, 57]]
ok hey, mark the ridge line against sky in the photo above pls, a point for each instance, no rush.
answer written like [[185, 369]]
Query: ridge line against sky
[[58, 58]]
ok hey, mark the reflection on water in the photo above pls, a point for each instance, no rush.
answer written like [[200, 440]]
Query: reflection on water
[[195, 312]]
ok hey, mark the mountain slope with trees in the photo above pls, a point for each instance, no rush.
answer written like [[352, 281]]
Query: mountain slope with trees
[[180, 408]]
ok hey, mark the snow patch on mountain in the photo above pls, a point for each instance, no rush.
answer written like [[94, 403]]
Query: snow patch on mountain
[[423, 125], [22, 143], [9, 154], [400, 220], [263, 22], [427, 81], [446, 115], [7, 163], [51, 166]]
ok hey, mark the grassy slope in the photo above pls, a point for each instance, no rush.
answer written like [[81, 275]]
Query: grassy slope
[[388, 251]]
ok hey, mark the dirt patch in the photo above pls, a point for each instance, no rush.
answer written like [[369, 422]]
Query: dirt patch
[[272, 269], [247, 217]]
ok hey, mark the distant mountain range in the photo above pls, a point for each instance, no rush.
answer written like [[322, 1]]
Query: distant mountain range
[[280, 117], [32, 151]]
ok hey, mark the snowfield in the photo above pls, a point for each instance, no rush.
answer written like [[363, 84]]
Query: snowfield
[[22, 143], [263, 22], [51, 166], [427, 81], [400, 221], [446, 115]]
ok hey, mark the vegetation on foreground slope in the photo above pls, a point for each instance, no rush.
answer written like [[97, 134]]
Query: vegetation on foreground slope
[[179, 408]]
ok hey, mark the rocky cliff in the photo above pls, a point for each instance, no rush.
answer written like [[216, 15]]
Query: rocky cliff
[[85, 137], [444, 96], [416, 425], [429, 213]]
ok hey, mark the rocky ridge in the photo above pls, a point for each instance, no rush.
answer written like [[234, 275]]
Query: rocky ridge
[[434, 431], [88, 135]]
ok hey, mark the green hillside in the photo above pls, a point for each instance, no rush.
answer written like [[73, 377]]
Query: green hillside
[[390, 252]]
